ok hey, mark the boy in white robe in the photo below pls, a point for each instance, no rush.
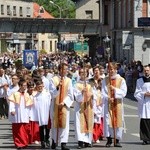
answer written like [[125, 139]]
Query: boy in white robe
[[42, 106], [98, 112], [20, 104], [34, 134]]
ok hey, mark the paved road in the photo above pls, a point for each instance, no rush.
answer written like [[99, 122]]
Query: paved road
[[130, 140]]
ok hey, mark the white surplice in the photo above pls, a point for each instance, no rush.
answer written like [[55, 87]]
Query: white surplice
[[21, 111], [42, 102], [98, 109], [143, 101], [120, 93], [33, 110]]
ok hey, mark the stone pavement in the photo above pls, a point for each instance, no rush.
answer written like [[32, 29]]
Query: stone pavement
[[6, 140]]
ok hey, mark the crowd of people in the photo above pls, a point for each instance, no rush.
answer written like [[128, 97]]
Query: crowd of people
[[38, 101]]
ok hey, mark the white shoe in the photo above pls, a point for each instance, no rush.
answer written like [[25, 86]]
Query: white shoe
[[37, 142], [98, 141]]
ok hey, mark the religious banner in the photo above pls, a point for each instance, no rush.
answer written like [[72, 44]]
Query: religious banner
[[30, 58]]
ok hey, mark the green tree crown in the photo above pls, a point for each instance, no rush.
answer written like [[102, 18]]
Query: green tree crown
[[67, 7]]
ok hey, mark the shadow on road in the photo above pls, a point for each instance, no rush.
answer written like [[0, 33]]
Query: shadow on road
[[132, 143]]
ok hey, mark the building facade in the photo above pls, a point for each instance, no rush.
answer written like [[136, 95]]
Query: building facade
[[18, 42], [95, 9], [131, 40], [120, 19], [19, 9]]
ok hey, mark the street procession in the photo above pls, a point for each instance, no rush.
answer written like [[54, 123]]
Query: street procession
[[37, 101], [72, 77]]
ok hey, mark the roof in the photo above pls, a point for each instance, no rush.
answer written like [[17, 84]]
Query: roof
[[37, 14]]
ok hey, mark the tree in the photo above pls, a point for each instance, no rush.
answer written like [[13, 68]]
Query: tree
[[67, 7]]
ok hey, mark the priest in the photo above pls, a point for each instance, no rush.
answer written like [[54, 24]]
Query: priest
[[114, 90], [142, 94]]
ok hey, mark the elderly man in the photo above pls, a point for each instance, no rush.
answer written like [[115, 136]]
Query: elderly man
[[142, 94]]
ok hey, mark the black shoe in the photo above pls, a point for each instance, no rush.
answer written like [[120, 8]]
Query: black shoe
[[117, 143], [101, 138], [144, 143], [109, 142], [88, 145], [42, 144], [48, 143], [64, 147], [80, 145], [53, 146]]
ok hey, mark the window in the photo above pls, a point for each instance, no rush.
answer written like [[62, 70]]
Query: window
[[21, 11], [43, 44], [28, 12], [89, 14], [106, 14], [8, 10], [55, 46], [14, 10], [2, 9], [50, 46]]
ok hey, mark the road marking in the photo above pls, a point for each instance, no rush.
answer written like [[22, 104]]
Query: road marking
[[131, 107], [132, 116], [135, 134]]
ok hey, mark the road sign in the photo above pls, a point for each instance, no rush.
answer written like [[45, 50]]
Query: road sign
[[79, 47]]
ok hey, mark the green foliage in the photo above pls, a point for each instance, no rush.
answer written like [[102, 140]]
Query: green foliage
[[67, 7]]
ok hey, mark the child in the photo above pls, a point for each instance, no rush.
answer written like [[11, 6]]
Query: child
[[34, 134], [42, 105], [98, 113], [20, 104]]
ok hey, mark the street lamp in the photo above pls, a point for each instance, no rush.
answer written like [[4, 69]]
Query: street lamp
[[58, 8]]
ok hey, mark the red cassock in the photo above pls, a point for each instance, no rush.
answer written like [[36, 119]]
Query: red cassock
[[98, 130], [20, 134], [34, 134]]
